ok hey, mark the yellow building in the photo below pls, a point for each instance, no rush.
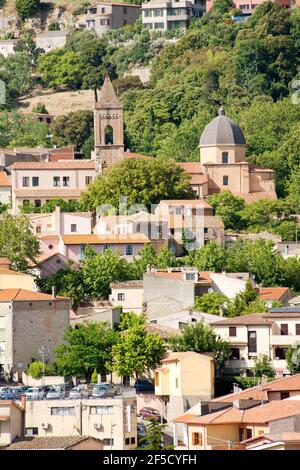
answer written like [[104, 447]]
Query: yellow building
[[10, 279], [183, 379]]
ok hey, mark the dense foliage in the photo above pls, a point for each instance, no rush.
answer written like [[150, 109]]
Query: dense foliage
[[26, 8]]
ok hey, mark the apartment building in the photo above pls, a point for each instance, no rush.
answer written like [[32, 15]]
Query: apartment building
[[102, 17], [112, 420], [251, 335], [167, 292], [39, 182], [5, 188], [158, 15], [247, 7], [128, 295], [28, 321]]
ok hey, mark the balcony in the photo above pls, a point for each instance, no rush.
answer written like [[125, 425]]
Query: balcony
[[283, 340]]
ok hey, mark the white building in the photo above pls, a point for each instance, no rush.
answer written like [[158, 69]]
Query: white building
[[128, 295], [164, 15], [7, 46], [50, 40], [252, 335]]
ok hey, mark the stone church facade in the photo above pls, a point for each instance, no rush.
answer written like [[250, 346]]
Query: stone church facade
[[222, 166]]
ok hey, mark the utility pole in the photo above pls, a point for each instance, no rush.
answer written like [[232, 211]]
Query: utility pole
[[44, 352]]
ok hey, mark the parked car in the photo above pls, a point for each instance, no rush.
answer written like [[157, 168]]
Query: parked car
[[8, 394], [35, 393], [103, 390], [149, 413], [75, 393], [144, 386], [141, 430], [22, 389], [53, 394]]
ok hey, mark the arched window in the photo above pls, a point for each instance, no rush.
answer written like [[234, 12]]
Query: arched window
[[109, 135]]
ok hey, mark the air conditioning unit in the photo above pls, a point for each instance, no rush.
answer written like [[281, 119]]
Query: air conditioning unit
[[44, 425], [99, 426]]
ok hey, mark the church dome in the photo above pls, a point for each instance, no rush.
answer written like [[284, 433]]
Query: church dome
[[222, 131]]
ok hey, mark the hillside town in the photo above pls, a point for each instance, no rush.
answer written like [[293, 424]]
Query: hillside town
[[149, 225]]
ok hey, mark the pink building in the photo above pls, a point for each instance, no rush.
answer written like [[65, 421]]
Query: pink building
[[73, 246], [247, 7], [39, 182]]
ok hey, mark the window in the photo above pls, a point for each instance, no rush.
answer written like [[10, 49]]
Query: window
[[31, 432], [205, 230], [158, 26], [108, 442], [280, 353], [104, 22], [106, 247], [91, 24], [88, 180], [235, 354], [25, 181], [35, 181], [26, 202], [73, 227], [284, 395], [66, 180], [177, 210], [125, 10], [121, 296], [156, 379], [297, 328], [148, 26], [127, 441], [147, 13], [248, 433], [129, 250], [197, 439], [82, 252], [132, 440], [225, 180], [190, 276], [48, 120], [37, 203], [102, 10], [109, 135], [63, 411], [252, 346], [224, 157], [56, 180], [38, 229], [101, 410], [241, 434], [232, 331], [158, 12], [284, 329]]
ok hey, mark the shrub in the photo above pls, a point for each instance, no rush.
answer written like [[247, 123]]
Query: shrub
[[26, 8]]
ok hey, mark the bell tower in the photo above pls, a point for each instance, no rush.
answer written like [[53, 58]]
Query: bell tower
[[108, 128]]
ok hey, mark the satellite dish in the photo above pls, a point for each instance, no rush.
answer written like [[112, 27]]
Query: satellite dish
[[210, 290], [269, 304]]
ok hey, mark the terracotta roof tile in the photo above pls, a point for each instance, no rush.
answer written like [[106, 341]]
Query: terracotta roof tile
[[15, 295], [40, 443], [272, 293], [4, 180], [251, 319], [127, 284]]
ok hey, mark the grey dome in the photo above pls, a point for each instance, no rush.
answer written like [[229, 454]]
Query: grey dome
[[222, 131]]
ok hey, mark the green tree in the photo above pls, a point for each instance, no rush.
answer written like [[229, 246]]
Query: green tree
[[263, 366], [72, 129], [210, 302], [17, 242], [94, 378], [27, 8], [143, 181], [293, 358], [210, 257], [40, 108], [154, 438], [137, 351], [228, 207], [35, 370], [242, 302], [86, 348], [201, 338]]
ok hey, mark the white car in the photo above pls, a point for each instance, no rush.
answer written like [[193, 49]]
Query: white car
[[34, 393], [75, 393]]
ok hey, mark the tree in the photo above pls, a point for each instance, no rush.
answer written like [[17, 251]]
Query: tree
[[35, 370], [201, 338], [100, 269], [40, 108], [17, 242], [242, 302], [72, 129], [137, 351], [293, 358], [87, 347], [26, 8], [210, 302], [154, 438], [210, 257], [228, 207], [263, 366], [142, 181]]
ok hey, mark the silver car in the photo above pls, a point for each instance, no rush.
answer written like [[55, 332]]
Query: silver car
[[54, 394], [34, 393], [75, 393]]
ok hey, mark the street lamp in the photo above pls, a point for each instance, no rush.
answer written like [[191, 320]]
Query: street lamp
[[44, 352]]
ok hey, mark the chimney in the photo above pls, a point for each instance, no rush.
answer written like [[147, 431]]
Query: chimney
[[53, 292], [23, 402]]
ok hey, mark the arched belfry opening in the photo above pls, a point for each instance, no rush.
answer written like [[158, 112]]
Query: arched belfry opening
[[108, 135]]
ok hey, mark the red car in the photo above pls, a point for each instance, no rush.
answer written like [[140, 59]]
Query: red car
[[149, 413]]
